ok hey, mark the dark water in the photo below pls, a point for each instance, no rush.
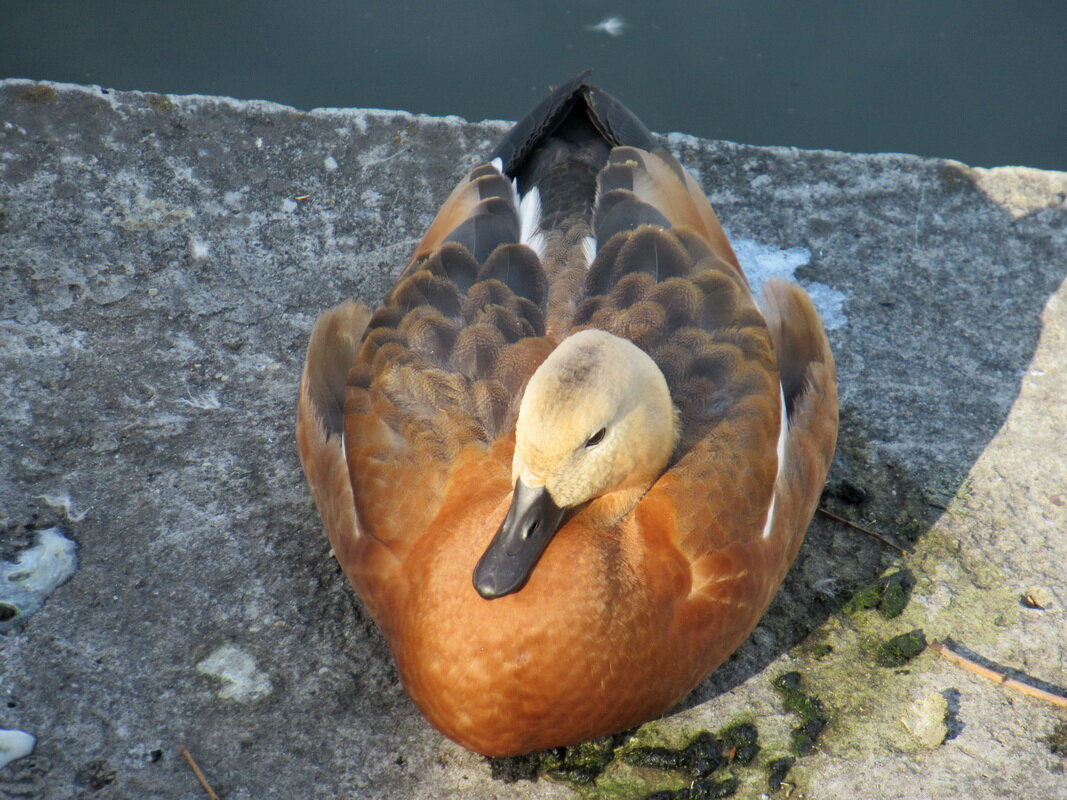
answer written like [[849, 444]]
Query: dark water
[[984, 81]]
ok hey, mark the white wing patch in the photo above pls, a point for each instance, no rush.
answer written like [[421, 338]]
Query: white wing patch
[[589, 248], [530, 222], [783, 432]]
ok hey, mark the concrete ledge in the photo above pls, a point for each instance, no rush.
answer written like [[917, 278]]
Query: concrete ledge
[[162, 260]]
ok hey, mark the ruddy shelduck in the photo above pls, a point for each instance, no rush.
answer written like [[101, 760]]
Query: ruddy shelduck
[[568, 461]]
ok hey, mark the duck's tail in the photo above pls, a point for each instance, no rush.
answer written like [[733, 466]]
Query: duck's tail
[[575, 119], [557, 150], [563, 148]]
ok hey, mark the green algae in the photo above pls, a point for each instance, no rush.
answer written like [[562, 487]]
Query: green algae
[[710, 789], [777, 770], [621, 782], [581, 763], [599, 768], [866, 598], [702, 756], [515, 768], [894, 599], [788, 686], [899, 650], [38, 94], [160, 102], [889, 594], [820, 651], [637, 765], [812, 713], [693, 767], [741, 741], [700, 790], [949, 593]]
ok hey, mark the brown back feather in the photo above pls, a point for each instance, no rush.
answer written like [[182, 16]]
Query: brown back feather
[[446, 358]]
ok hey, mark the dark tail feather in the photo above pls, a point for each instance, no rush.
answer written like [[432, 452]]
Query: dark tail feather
[[575, 112]]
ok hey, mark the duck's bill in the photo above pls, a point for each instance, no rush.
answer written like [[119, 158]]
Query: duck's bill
[[516, 548]]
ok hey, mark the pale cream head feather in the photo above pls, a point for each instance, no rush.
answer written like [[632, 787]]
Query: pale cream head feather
[[596, 417]]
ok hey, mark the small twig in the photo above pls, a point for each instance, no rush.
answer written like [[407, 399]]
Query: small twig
[[861, 529], [986, 672], [199, 773]]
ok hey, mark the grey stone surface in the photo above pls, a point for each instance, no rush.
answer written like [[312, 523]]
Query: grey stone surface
[[161, 263]]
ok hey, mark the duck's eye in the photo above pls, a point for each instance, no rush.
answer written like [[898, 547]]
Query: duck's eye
[[596, 438]]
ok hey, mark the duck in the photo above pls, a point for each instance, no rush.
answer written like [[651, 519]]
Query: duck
[[569, 459]]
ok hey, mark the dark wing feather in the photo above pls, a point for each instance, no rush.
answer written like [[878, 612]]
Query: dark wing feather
[[443, 358], [490, 224], [320, 409], [671, 284], [517, 267], [809, 384], [620, 211]]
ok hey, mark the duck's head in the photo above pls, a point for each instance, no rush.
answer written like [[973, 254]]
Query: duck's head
[[596, 418]]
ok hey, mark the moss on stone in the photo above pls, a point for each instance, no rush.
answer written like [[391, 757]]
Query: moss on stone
[[821, 651], [708, 789], [40, 93], [741, 741], [788, 685], [620, 782], [867, 597], [698, 759], [711, 789], [901, 649], [867, 699], [160, 102], [889, 594], [581, 763], [893, 600], [515, 768], [777, 770], [812, 713], [654, 757]]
